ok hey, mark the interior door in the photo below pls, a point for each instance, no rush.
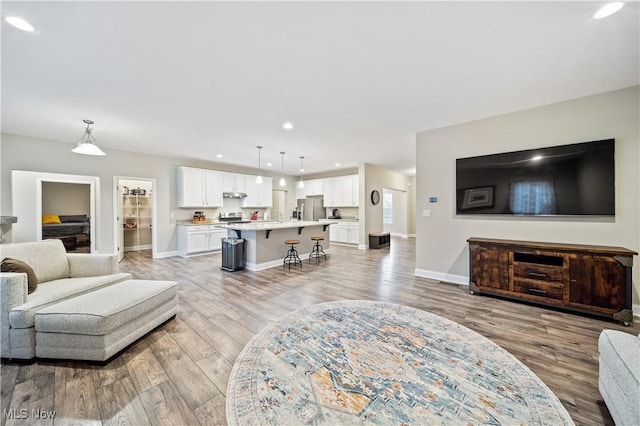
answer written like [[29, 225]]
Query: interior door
[[120, 222]]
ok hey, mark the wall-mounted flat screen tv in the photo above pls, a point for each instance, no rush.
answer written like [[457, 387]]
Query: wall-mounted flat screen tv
[[576, 179]]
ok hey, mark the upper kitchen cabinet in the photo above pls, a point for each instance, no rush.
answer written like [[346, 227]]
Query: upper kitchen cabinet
[[199, 187], [234, 182], [341, 191], [311, 187], [258, 194]]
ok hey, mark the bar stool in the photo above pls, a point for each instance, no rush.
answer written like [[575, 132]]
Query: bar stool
[[317, 250], [292, 254]]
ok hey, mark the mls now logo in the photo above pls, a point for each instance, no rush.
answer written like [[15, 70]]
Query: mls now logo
[[14, 413], [42, 414], [23, 413]]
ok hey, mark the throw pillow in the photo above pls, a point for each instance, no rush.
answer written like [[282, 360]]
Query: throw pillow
[[50, 218], [15, 265], [73, 218]]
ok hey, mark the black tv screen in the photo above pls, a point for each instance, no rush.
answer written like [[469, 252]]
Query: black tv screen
[[576, 179]]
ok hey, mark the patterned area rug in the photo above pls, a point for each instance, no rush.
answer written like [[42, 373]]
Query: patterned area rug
[[361, 362]]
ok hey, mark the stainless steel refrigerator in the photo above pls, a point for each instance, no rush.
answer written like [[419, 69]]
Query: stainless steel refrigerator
[[312, 208]]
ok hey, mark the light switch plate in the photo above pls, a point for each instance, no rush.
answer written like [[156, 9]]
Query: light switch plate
[[426, 213]]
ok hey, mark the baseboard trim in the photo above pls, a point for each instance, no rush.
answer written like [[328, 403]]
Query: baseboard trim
[[165, 254], [138, 248], [439, 276]]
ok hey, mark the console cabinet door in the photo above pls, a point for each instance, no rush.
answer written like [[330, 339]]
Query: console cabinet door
[[597, 281], [490, 268]]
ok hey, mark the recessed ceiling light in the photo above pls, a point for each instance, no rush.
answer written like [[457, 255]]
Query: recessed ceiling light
[[219, 155], [287, 125], [337, 164], [19, 23], [269, 164], [608, 9]]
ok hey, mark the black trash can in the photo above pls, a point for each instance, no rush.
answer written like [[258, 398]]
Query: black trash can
[[232, 254]]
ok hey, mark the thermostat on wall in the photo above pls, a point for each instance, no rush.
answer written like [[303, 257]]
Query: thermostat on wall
[[433, 199]]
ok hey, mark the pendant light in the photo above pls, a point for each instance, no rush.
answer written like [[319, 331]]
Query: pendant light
[[86, 145], [301, 183], [282, 181], [259, 178]]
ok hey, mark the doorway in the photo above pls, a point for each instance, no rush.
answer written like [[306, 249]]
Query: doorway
[[279, 204], [29, 189], [394, 212], [135, 216], [66, 214]]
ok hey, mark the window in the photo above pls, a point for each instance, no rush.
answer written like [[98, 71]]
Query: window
[[532, 197], [387, 208]]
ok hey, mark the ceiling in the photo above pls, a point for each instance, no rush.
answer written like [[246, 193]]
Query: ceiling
[[357, 79]]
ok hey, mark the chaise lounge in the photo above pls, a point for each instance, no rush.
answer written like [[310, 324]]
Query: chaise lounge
[[81, 307]]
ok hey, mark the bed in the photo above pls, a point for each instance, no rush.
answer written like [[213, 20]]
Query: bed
[[73, 230]]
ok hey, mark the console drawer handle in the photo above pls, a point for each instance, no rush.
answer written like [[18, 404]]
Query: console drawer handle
[[535, 290], [537, 274]]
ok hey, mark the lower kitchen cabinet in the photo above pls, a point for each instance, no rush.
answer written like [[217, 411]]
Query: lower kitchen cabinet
[[194, 239], [345, 233]]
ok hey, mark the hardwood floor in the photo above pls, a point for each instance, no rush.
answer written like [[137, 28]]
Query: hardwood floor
[[178, 373]]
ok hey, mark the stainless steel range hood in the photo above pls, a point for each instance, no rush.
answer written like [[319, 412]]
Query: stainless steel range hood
[[233, 194]]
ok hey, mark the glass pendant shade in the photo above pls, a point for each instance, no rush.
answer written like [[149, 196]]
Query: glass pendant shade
[[86, 145]]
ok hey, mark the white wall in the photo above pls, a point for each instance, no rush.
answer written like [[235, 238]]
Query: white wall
[[441, 247], [43, 155], [65, 198]]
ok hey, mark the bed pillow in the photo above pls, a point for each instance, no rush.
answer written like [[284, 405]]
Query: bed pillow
[[50, 218], [73, 218], [14, 265]]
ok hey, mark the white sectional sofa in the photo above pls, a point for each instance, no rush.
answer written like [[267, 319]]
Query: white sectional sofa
[[61, 276], [619, 380]]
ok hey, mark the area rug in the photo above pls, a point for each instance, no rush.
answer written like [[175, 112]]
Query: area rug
[[362, 362]]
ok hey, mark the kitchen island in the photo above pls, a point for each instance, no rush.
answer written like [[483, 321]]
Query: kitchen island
[[265, 247]]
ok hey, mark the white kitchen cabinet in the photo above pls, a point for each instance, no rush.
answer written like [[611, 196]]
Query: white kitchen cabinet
[[345, 233], [333, 233], [199, 188], [311, 188], [332, 196], [341, 191], [194, 239], [349, 189], [354, 233], [215, 238], [342, 235], [258, 194], [234, 182]]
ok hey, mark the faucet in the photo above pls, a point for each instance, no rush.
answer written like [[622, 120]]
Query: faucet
[[280, 215]]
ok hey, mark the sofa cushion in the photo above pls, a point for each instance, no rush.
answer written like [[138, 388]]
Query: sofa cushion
[[48, 258], [15, 265], [107, 309], [51, 292]]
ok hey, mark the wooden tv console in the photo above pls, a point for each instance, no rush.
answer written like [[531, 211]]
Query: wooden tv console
[[594, 280]]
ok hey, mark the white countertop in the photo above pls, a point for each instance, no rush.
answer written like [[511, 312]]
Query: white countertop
[[258, 226]]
